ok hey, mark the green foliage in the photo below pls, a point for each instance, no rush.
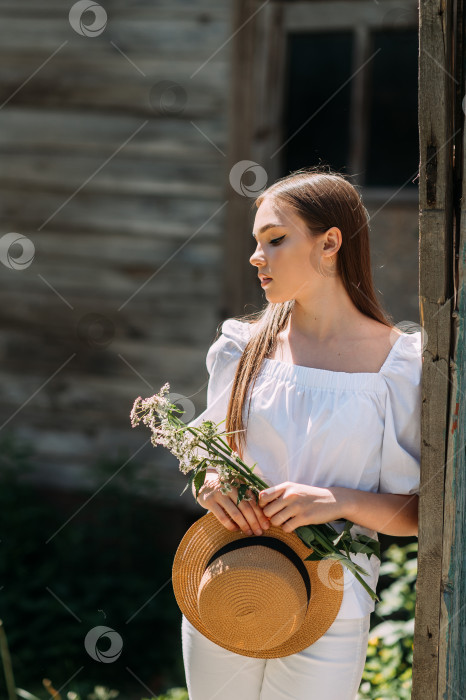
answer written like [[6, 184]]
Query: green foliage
[[173, 694], [388, 670], [68, 567]]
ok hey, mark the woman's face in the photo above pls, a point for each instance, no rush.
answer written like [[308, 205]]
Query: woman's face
[[288, 253]]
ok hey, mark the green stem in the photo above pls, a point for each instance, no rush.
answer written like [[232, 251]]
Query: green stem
[[7, 667], [240, 466], [344, 559], [249, 474]]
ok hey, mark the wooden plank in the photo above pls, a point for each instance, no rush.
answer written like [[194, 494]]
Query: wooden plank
[[120, 253], [435, 221], [170, 321], [131, 214], [169, 9], [173, 37], [122, 175], [79, 281], [35, 130], [83, 393], [72, 81], [141, 66], [325, 15]]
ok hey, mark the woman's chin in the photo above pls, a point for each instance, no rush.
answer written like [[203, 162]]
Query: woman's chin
[[275, 298]]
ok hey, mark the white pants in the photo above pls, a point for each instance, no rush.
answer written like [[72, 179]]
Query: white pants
[[329, 669]]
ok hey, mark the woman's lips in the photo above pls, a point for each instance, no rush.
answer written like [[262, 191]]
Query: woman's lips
[[265, 281]]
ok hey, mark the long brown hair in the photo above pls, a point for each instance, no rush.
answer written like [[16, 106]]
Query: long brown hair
[[322, 198]]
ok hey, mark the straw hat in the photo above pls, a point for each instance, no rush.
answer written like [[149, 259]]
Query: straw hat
[[254, 595]]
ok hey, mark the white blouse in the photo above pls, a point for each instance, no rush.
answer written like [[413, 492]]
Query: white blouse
[[324, 428]]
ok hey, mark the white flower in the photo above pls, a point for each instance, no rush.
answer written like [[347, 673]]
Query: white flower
[[208, 428]]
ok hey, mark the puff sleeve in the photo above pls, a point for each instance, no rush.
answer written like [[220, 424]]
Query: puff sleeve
[[401, 446], [221, 362]]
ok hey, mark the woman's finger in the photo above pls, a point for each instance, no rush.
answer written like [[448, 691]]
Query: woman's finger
[[247, 515], [243, 515], [261, 516], [223, 517], [253, 513]]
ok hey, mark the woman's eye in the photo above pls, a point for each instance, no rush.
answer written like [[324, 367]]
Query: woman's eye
[[276, 240]]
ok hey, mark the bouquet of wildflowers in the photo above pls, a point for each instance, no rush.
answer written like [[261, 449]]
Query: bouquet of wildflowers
[[168, 430]]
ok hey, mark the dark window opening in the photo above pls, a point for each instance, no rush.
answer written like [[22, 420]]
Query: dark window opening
[[318, 91], [393, 144], [317, 65]]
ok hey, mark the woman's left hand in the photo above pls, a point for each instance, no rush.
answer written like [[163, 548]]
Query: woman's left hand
[[290, 505]]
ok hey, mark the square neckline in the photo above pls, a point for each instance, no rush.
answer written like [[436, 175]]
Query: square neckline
[[326, 372]]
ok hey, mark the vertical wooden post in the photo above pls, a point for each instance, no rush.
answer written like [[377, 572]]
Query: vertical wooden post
[[255, 122], [440, 629], [452, 638]]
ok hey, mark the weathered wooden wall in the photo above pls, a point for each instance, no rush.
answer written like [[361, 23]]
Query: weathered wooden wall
[[126, 201], [123, 199]]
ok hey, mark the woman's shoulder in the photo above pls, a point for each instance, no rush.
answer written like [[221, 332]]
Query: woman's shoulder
[[404, 361], [230, 343], [237, 330]]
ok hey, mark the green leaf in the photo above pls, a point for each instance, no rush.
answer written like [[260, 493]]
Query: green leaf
[[326, 529], [199, 480], [190, 481], [360, 548], [313, 557], [241, 493], [369, 545], [344, 533], [305, 534]]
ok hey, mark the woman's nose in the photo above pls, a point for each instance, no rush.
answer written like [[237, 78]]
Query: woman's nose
[[256, 259]]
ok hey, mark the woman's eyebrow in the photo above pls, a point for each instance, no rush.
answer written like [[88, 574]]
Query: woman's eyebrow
[[265, 227]]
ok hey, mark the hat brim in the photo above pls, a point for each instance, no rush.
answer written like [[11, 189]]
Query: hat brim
[[207, 535]]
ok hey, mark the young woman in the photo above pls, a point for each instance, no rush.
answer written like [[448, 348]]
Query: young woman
[[332, 390]]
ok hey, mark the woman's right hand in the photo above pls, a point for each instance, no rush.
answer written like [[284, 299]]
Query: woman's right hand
[[247, 516]]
